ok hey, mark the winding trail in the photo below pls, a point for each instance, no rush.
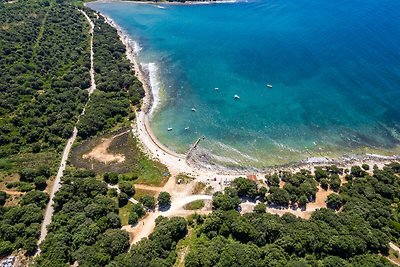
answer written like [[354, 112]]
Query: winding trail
[[91, 32], [57, 182], [394, 247], [146, 226]]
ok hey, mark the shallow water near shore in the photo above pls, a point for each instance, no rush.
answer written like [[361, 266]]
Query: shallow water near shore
[[334, 68]]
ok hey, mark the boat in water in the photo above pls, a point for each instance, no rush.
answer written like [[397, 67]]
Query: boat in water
[[193, 109], [186, 128], [269, 85], [237, 97], [169, 129], [216, 89]]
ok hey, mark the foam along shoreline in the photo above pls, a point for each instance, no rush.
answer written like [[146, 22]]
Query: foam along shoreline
[[154, 84], [163, 4], [198, 165], [175, 162]]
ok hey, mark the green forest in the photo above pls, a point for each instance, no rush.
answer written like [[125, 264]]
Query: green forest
[[44, 60], [117, 86], [356, 235], [44, 65]]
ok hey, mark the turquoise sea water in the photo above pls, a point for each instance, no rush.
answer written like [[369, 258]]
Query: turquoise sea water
[[334, 67]]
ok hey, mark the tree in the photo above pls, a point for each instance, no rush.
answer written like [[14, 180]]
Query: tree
[[227, 201], [303, 201], [324, 183], [395, 166], [30, 245], [262, 193], [334, 182], [279, 197], [333, 261], [245, 187], [138, 209], [123, 199], [365, 166], [110, 178], [320, 174], [334, 201], [294, 199], [133, 218], [40, 182], [37, 197], [272, 180], [114, 242], [3, 197], [260, 208], [164, 199], [6, 247], [356, 171], [127, 188], [148, 201]]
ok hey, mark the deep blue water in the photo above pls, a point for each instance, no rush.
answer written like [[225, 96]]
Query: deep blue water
[[334, 67]]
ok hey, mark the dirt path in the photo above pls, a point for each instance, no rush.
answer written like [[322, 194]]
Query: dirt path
[[91, 32], [319, 203], [149, 187], [16, 193], [57, 182], [56, 186], [146, 226], [134, 201], [394, 247]]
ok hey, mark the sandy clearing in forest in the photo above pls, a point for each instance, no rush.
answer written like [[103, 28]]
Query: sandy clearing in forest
[[320, 199], [146, 226], [101, 153]]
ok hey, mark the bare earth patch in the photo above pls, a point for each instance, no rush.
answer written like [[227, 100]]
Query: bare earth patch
[[101, 153]]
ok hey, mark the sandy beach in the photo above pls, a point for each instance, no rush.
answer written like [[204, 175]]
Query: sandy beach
[[180, 163]]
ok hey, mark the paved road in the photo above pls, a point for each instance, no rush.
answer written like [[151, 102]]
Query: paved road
[[57, 182]]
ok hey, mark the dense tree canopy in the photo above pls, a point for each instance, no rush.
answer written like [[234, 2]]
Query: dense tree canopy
[[85, 226], [164, 200], [117, 86]]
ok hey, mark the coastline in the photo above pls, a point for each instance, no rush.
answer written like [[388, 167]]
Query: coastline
[[166, 3], [199, 166]]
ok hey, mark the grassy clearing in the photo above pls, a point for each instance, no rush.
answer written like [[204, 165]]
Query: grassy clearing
[[195, 205], [198, 188], [136, 163], [209, 190], [12, 200], [124, 213], [142, 192], [152, 172], [182, 248], [183, 178], [6, 178]]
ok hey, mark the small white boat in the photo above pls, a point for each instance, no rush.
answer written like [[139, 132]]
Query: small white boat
[[216, 89], [186, 128], [193, 109], [169, 129], [237, 97], [269, 85]]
